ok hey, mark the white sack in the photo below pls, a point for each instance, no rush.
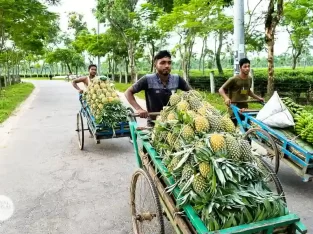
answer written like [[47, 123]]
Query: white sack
[[275, 113]]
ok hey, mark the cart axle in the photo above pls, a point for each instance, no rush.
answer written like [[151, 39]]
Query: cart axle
[[145, 216]]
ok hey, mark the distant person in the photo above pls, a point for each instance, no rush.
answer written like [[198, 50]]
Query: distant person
[[239, 88], [158, 87], [85, 79]]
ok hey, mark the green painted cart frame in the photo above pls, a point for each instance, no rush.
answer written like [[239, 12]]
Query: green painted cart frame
[[153, 172]]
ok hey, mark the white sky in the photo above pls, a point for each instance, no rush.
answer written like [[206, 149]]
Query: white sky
[[85, 7]]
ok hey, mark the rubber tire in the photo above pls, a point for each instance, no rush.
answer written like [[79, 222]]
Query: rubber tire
[[276, 180], [81, 135], [271, 141], [141, 172]]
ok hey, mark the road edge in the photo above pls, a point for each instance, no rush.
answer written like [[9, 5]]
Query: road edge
[[11, 121]]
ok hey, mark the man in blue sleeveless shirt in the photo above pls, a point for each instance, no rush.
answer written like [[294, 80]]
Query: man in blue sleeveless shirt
[[158, 87]]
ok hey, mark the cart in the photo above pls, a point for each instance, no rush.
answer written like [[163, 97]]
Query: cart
[[98, 131], [281, 145], [152, 175]]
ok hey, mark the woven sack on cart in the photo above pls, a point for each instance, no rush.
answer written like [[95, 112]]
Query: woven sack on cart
[[275, 113]]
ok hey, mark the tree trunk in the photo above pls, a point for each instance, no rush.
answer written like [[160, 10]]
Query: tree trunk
[[126, 71], [218, 53], [126, 64], [295, 57], [184, 68], [69, 68], [294, 62], [42, 67], [131, 54], [270, 64], [110, 66], [113, 69], [202, 53], [152, 57], [271, 21]]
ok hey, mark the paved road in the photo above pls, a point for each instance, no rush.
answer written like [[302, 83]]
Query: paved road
[[56, 188]]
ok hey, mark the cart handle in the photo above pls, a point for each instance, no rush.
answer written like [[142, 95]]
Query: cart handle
[[150, 114], [249, 101]]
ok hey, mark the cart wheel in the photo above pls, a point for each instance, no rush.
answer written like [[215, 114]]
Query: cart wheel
[[80, 130], [272, 149], [273, 178], [147, 216]]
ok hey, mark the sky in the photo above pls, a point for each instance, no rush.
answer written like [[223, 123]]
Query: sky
[[85, 7]]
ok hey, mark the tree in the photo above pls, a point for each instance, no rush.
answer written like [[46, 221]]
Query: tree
[[151, 35], [121, 16], [75, 22], [67, 56], [272, 19], [189, 21], [222, 25], [25, 27], [104, 44], [168, 5], [28, 26], [298, 21], [254, 38]]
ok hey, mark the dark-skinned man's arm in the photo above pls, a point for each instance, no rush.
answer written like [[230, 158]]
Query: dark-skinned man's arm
[[224, 87], [78, 80]]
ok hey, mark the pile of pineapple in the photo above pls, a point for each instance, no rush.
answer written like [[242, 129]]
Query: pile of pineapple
[[104, 102], [212, 165]]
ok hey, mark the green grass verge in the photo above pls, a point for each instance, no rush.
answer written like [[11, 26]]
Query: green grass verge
[[42, 78], [123, 87], [11, 97]]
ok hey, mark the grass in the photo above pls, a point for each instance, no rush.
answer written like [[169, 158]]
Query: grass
[[123, 87], [42, 78], [11, 97]]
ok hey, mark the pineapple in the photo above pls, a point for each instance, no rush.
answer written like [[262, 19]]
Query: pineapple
[[178, 145], [182, 106], [191, 113], [199, 184], [204, 169], [195, 103], [164, 113], [192, 93], [187, 132], [199, 144], [174, 99], [187, 172], [201, 124], [211, 108], [171, 139], [174, 162], [171, 116], [215, 123], [202, 111], [228, 125], [217, 142], [233, 147], [245, 150], [162, 136]]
